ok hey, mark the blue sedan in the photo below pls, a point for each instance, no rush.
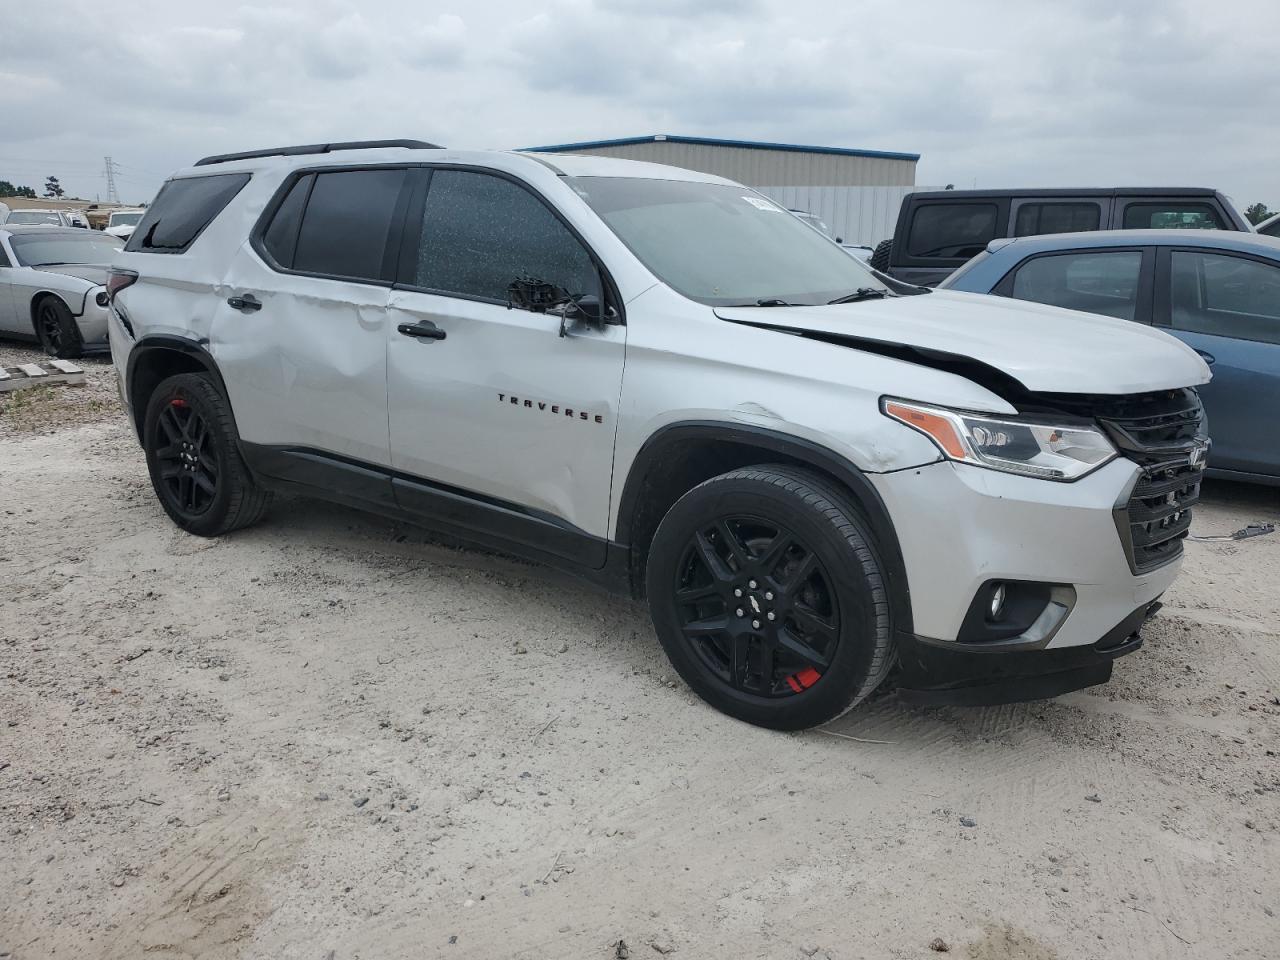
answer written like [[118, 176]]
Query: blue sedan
[[1217, 291]]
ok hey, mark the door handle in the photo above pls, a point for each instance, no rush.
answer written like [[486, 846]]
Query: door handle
[[422, 330], [245, 304], [1207, 357]]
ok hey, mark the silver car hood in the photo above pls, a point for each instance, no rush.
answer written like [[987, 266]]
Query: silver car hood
[[96, 274], [1046, 349]]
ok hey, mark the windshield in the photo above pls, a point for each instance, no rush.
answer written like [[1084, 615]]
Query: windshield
[[34, 216], [125, 219], [721, 244], [92, 248]]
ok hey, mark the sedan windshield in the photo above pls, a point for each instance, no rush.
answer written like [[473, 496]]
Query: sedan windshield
[[34, 216], [62, 248], [723, 245], [125, 219]]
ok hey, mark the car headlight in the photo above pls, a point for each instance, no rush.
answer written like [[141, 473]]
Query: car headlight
[[1032, 447]]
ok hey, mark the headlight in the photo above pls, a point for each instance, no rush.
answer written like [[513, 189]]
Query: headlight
[[1030, 447]]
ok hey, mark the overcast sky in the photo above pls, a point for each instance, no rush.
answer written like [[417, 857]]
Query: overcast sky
[[992, 92]]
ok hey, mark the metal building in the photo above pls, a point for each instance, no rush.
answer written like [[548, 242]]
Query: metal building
[[857, 192]]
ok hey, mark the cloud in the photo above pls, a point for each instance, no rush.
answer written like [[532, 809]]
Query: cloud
[[1091, 92]]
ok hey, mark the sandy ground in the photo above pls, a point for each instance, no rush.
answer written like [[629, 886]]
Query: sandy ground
[[329, 737]]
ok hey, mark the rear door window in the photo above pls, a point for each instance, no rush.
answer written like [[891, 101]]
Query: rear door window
[[1172, 216], [1225, 296], [480, 232], [1094, 281], [346, 225], [181, 211], [950, 231], [1033, 219]]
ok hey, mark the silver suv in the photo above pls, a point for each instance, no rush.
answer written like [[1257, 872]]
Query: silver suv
[[665, 382]]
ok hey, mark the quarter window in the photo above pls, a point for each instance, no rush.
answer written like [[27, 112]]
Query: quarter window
[[281, 237], [1171, 216], [347, 222], [1225, 296], [949, 231], [181, 211], [1095, 282], [480, 232], [1038, 218]]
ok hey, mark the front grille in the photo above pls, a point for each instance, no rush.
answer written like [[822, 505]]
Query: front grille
[[1163, 434]]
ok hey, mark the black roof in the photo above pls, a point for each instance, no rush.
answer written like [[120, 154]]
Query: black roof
[[309, 148], [1082, 192]]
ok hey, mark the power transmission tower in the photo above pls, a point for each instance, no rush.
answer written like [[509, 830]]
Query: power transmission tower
[[110, 166]]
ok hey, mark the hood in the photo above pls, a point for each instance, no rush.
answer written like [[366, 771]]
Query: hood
[[1046, 349], [93, 272]]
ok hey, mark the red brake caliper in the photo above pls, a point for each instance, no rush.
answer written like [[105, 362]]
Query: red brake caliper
[[803, 680]]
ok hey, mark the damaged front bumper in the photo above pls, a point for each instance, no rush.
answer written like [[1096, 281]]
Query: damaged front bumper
[[937, 672]]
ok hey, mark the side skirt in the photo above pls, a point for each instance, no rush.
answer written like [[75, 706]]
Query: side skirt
[[456, 513]]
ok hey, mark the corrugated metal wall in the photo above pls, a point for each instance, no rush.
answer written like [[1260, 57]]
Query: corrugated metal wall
[[855, 214], [754, 166]]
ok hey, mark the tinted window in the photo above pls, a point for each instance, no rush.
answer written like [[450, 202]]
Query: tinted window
[[344, 231], [181, 210], [952, 230], [4, 258], [281, 237], [1171, 216], [480, 232], [721, 244], [1096, 282], [1271, 228], [1037, 218], [1226, 296]]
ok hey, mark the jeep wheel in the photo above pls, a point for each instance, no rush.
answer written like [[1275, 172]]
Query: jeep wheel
[[195, 465], [768, 597], [57, 330], [879, 259]]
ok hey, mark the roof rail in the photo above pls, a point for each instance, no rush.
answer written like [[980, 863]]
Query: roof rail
[[316, 148]]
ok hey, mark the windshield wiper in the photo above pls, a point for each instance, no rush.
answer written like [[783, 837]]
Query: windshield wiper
[[57, 263], [862, 293], [773, 302]]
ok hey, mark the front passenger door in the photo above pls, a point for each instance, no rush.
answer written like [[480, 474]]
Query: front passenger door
[[502, 427]]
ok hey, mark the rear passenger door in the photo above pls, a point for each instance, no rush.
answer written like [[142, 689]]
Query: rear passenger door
[[1226, 306], [501, 426], [301, 334], [1033, 217]]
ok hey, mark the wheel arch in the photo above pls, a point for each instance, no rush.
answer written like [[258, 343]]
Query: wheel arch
[[155, 358], [38, 298], [682, 455]]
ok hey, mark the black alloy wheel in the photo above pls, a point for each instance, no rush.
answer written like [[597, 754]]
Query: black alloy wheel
[[56, 329], [757, 606], [767, 594], [187, 463], [194, 459]]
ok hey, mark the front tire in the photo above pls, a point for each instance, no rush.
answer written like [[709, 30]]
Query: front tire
[[768, 597], [196, 469], [56, 329]]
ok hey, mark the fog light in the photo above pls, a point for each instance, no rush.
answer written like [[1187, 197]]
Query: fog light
[[101, 299], [995, 610]]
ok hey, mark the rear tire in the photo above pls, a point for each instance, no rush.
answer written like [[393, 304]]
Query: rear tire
[[879, 259], [194, 459], [56, 329], [768, 598]]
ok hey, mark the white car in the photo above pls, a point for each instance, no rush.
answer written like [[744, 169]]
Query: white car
[[663, 381], [121, 222], [52, 287], [33, 217], [1270, 226]]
